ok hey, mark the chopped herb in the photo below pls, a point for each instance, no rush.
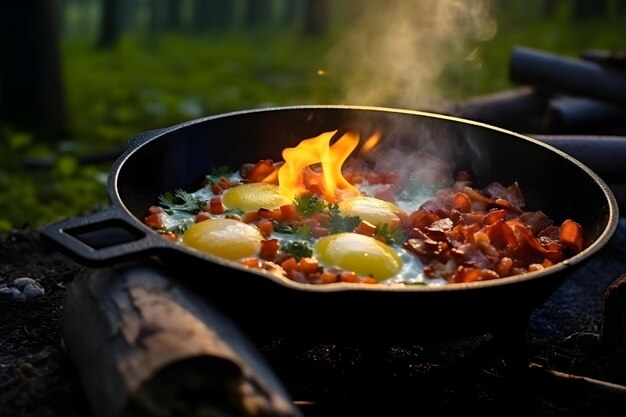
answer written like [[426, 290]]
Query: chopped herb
[[391, 236], [182, 201], [304, 231], [339, 223], [308, 204], [298, 249], [217, 173]]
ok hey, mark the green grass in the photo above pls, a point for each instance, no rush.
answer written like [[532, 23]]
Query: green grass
[[147, 83]]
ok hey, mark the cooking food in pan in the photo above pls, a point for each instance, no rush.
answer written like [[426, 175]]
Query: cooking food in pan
[[323, 215]]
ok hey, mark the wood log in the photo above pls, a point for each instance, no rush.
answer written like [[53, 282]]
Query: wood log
[[144, 345], [519, 109], [558, 74], [580, 115], [605, 155]]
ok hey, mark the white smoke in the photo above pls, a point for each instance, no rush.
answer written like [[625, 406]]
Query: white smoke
[[395, 52]]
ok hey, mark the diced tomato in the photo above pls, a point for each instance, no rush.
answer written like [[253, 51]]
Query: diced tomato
[[249, 217], [269, 214], [329, 277], [202, 216], [154, 220], [269, 249], [307, 265], [289, 264], [265, 227], [288, 212], [261, 170], [216, 206], [365, 228], [350, 277]]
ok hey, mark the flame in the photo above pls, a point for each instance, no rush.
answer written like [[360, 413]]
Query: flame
[[301, 174], [370, 144]]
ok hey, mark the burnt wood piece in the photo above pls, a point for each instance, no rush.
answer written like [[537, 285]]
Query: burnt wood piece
[[144, 345], [558, 74]]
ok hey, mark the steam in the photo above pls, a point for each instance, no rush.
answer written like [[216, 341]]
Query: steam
[[395, 52]]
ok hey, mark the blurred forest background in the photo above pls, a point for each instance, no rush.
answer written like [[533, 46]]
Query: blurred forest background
[[78, 78]]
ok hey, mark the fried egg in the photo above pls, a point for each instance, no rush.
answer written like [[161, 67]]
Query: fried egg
[[228, 238], [371, 209], [254, 196], [359, 253]]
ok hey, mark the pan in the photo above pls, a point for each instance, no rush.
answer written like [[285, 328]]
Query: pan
[[266, 306]]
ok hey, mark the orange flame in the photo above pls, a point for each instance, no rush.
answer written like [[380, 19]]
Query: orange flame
[[300, 172]]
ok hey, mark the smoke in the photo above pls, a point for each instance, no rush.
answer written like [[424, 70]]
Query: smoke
[[394, 53]]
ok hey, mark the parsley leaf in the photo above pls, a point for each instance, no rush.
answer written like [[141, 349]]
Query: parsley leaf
[[297, 249], [217, 173], [304, 231], [339, 223], [391, 236], [308, 204], [182, 201]]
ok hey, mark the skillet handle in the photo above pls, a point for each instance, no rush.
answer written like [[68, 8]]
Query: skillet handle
[[102, 238]]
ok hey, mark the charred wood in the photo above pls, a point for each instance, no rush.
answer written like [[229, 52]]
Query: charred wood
[[143, 345]]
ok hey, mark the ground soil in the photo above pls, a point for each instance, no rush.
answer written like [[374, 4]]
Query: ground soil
[[37, 378]]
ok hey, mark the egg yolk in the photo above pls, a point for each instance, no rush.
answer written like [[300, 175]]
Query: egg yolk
[[228, 238], [359, 253], [373, 210], [254, 196]]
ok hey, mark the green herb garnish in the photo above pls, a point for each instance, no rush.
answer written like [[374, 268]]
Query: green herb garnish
[[308, 204], [297, 249], [217, 173], [181, 201], [339, 223], [304, 231], [391, 236], [180, 228]]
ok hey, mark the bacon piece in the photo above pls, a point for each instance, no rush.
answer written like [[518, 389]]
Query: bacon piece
[[571, 234], [536, 220], [464, 274]]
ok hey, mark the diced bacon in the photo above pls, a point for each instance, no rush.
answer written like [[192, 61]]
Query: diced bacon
[[571, 234]]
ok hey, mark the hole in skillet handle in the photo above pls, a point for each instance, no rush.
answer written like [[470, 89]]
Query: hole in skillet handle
[[101, 239]]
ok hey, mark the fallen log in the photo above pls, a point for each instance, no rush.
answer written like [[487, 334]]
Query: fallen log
[[145, 345], [558, 74]]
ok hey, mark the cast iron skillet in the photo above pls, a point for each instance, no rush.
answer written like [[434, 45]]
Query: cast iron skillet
[[180, 156]]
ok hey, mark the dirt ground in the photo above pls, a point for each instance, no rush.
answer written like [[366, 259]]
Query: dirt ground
[[37, 378]]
